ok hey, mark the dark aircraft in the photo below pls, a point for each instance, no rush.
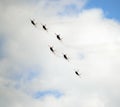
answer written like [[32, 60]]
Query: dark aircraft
[[76, 72], [44, 27], [52, 50], [58, 37], [65, 56], [32, 21]]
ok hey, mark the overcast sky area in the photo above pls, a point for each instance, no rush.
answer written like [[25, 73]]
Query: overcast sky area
[[32, 76]]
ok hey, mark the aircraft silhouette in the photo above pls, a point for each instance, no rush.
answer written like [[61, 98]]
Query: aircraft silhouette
[[58, 37], [77, 73], [66, 57], [33, 22], [51, 49], [44, 27]]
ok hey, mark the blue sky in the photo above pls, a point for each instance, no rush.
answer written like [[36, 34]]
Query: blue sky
[[42, 94], [110, 7]]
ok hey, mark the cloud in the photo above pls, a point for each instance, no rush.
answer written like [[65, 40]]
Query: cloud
[[27, 66]]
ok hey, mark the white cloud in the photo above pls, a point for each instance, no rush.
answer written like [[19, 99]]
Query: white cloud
[[26, 48]]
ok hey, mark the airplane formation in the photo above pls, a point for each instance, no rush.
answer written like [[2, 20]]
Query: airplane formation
[[65, 56]]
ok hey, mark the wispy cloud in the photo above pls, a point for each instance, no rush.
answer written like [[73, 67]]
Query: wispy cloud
[[29, 71]]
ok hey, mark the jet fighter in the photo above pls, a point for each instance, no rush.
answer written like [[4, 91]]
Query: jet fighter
[[44, 27], [33, 22], [51, 49], [58, 37], [66, 57], [77, 73]]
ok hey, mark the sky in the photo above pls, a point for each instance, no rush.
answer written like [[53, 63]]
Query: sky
[[31, 75]]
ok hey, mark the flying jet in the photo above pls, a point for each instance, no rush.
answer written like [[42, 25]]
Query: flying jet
[[51, 49], [66, 57], [58, 37], [33, 22], [44, 27], [77, 73]]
